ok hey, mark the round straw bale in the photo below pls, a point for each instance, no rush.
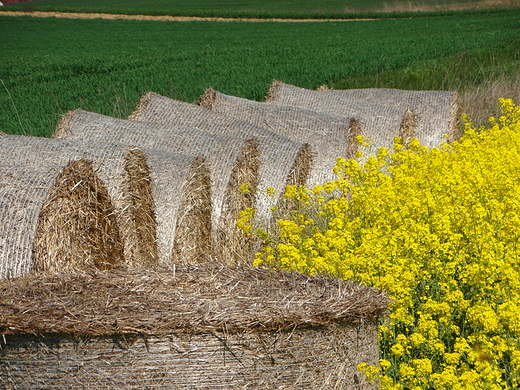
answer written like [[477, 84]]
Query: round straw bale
[[113, 163], [329, 135], [204, 326], [438, 112], [377, 122], [232, 160], [55, 217], [142, 183], [282, 161]]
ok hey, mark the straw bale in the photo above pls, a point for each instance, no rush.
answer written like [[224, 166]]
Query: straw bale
[[55, 217], [282, 161], [377, 122], [231, 159], [329, 135], [202, 327], [139, 182], [438, 112]]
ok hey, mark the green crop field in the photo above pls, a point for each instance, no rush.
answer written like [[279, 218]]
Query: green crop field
[[254, 8], [50, 66]]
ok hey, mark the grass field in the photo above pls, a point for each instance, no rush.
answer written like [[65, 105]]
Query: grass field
[[53, 65], [258, 8]]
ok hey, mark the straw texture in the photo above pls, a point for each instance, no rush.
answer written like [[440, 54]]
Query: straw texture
[[282, 161], [228, 156], [329, 135], [58, 216], [145, 187], [377, 122], [203, 327], [77, 228], [438, 112]]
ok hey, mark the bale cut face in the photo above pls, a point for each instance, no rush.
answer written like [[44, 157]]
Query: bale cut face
[[209, 326], [77, 228], [124, 172]]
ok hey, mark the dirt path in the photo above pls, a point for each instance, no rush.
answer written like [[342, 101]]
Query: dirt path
[[78, 15]]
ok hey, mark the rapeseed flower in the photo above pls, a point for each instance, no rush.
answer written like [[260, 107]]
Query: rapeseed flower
[[439, 230]]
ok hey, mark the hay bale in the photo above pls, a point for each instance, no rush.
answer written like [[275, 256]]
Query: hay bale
[[282, 161], [203, 327], [55, 217], [376, 121], [233, 161], [139, 183], [329, 135], [438, 112]]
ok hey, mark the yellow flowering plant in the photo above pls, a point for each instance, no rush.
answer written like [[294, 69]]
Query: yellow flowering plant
[[439, 230]]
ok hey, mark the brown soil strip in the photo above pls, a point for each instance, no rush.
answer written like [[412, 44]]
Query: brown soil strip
[[78, 15]]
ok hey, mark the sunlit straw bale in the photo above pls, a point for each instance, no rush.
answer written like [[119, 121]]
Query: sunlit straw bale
[[329, 135], [233, 161], [438, 112], [55, 217], [146, 187], [282, 161], [202, 327], [378, 121]]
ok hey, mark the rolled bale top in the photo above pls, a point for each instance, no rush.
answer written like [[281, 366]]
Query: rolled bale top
[[232, 161], [329, 135], [152, 192], [55, 217], [377, 121], [282, 161], [198, 327], [437, 112]]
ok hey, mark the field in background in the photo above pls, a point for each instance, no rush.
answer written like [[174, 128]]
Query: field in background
[[259, 8], [50, 66]]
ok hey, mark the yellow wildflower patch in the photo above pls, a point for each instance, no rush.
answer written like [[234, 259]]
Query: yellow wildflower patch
[[439, 230]]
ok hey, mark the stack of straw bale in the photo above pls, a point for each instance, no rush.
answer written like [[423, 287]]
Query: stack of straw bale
[[329, 135], [436, 112], [141, 184], [200, 327], [233, 162], [282, 160], [427, 116], [56, 216]]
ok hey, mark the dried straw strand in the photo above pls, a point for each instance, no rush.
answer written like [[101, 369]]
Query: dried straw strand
[[193, 233], [138, 222]]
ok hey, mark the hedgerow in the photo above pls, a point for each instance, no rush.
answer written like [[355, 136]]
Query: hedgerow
[[439, 230]]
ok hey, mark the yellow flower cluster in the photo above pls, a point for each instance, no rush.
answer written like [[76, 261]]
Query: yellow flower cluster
[[439, 229]]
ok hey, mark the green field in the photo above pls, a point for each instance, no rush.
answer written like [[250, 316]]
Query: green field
[[252, 8], [50, 66]]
